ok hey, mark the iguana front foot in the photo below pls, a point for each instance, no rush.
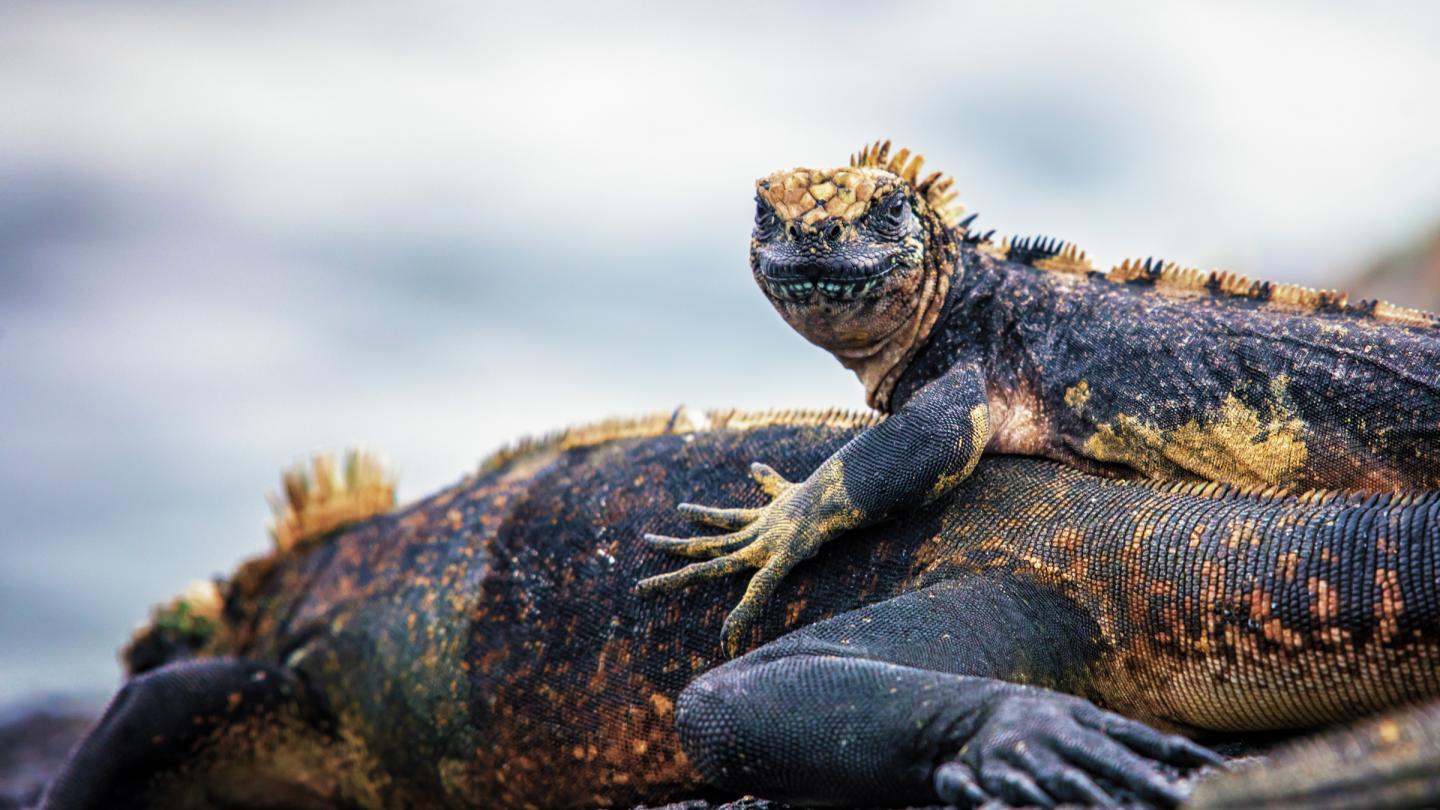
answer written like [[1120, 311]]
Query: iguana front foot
[[773, 538]]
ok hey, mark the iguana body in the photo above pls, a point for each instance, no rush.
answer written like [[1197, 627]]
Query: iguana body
[[1150, 370], [484, 648]]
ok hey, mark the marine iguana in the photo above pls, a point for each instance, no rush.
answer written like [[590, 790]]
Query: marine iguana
[[1022, 347], [484, 647], [1391, 761]]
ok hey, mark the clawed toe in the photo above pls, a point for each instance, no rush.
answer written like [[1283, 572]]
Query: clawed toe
[[699, 546], [955, 783], [690, 574], [769, 480], [720, 518]]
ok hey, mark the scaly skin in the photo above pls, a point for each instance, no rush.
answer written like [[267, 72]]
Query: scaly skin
[[1151, 370], [484, 647], [1390, 762]]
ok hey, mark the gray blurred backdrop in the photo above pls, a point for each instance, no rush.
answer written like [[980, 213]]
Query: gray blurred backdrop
[[233, 234]]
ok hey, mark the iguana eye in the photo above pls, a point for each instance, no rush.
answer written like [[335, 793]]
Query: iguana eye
[[765, 219], [893, 212]]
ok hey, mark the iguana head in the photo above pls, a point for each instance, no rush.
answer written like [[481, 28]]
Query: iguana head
[[851, 257]]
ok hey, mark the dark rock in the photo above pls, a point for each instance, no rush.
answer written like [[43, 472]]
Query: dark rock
[[32, 748]]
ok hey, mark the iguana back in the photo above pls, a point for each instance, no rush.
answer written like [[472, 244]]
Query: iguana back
[[485, 647]]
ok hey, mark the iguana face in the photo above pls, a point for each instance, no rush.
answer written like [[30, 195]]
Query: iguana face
[[841, 253]]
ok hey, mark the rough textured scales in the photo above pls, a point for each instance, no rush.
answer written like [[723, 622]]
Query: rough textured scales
[[1020, 346], [1392, 761], [484, 647]]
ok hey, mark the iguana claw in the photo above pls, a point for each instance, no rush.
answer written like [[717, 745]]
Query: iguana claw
[[772, 538]]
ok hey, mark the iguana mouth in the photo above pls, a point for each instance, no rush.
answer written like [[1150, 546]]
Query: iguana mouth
[[802, 290], [845, 273], [804, 281]]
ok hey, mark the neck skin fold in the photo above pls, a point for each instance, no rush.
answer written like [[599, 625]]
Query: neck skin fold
[[880, 364]]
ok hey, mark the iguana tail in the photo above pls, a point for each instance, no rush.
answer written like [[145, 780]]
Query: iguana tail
[[1392, 761]]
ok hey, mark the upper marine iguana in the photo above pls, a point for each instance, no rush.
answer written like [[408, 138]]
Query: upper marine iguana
[[484, 647], [1022, 347]]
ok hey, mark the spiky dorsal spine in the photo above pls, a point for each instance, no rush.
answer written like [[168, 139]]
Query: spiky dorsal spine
[[935, 187], [1069, 259], [320, 499], [679, 421], [1176, 278]]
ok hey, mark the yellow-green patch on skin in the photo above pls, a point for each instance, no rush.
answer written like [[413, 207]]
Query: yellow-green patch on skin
[[1077, 395], [978, 438], [194, 615], [833, 511], [197, 611], [1235, 445]]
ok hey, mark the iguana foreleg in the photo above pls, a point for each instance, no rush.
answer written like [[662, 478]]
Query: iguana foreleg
[[911, 458]]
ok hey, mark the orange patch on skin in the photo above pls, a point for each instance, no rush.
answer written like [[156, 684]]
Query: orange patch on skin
[[793, 611], [1389, 603], [1196, 535], [1162, 587], [1068, 538], [1327, 600], [1289, 565]]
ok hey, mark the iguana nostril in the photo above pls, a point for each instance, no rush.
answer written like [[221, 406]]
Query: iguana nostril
[[833, 232], [792, 230]]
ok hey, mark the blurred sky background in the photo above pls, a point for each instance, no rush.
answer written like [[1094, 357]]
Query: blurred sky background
[[233, 234]]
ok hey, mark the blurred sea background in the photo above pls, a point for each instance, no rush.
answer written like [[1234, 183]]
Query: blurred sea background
[[234, 234]]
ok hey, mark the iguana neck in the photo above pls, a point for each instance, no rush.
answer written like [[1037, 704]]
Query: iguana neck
[[881, 364]]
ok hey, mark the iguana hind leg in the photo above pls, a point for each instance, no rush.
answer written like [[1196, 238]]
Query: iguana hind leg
[[909, 701], [200, 734]]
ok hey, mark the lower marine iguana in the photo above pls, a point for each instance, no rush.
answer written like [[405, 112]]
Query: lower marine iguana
[[1390, 761], [484, 647], [1020, 346]]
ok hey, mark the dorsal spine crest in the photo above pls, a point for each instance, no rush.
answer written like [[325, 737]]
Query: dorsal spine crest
[[322, 498], [679, 421], [1166, 277], [1172, 278], [935, 187]]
